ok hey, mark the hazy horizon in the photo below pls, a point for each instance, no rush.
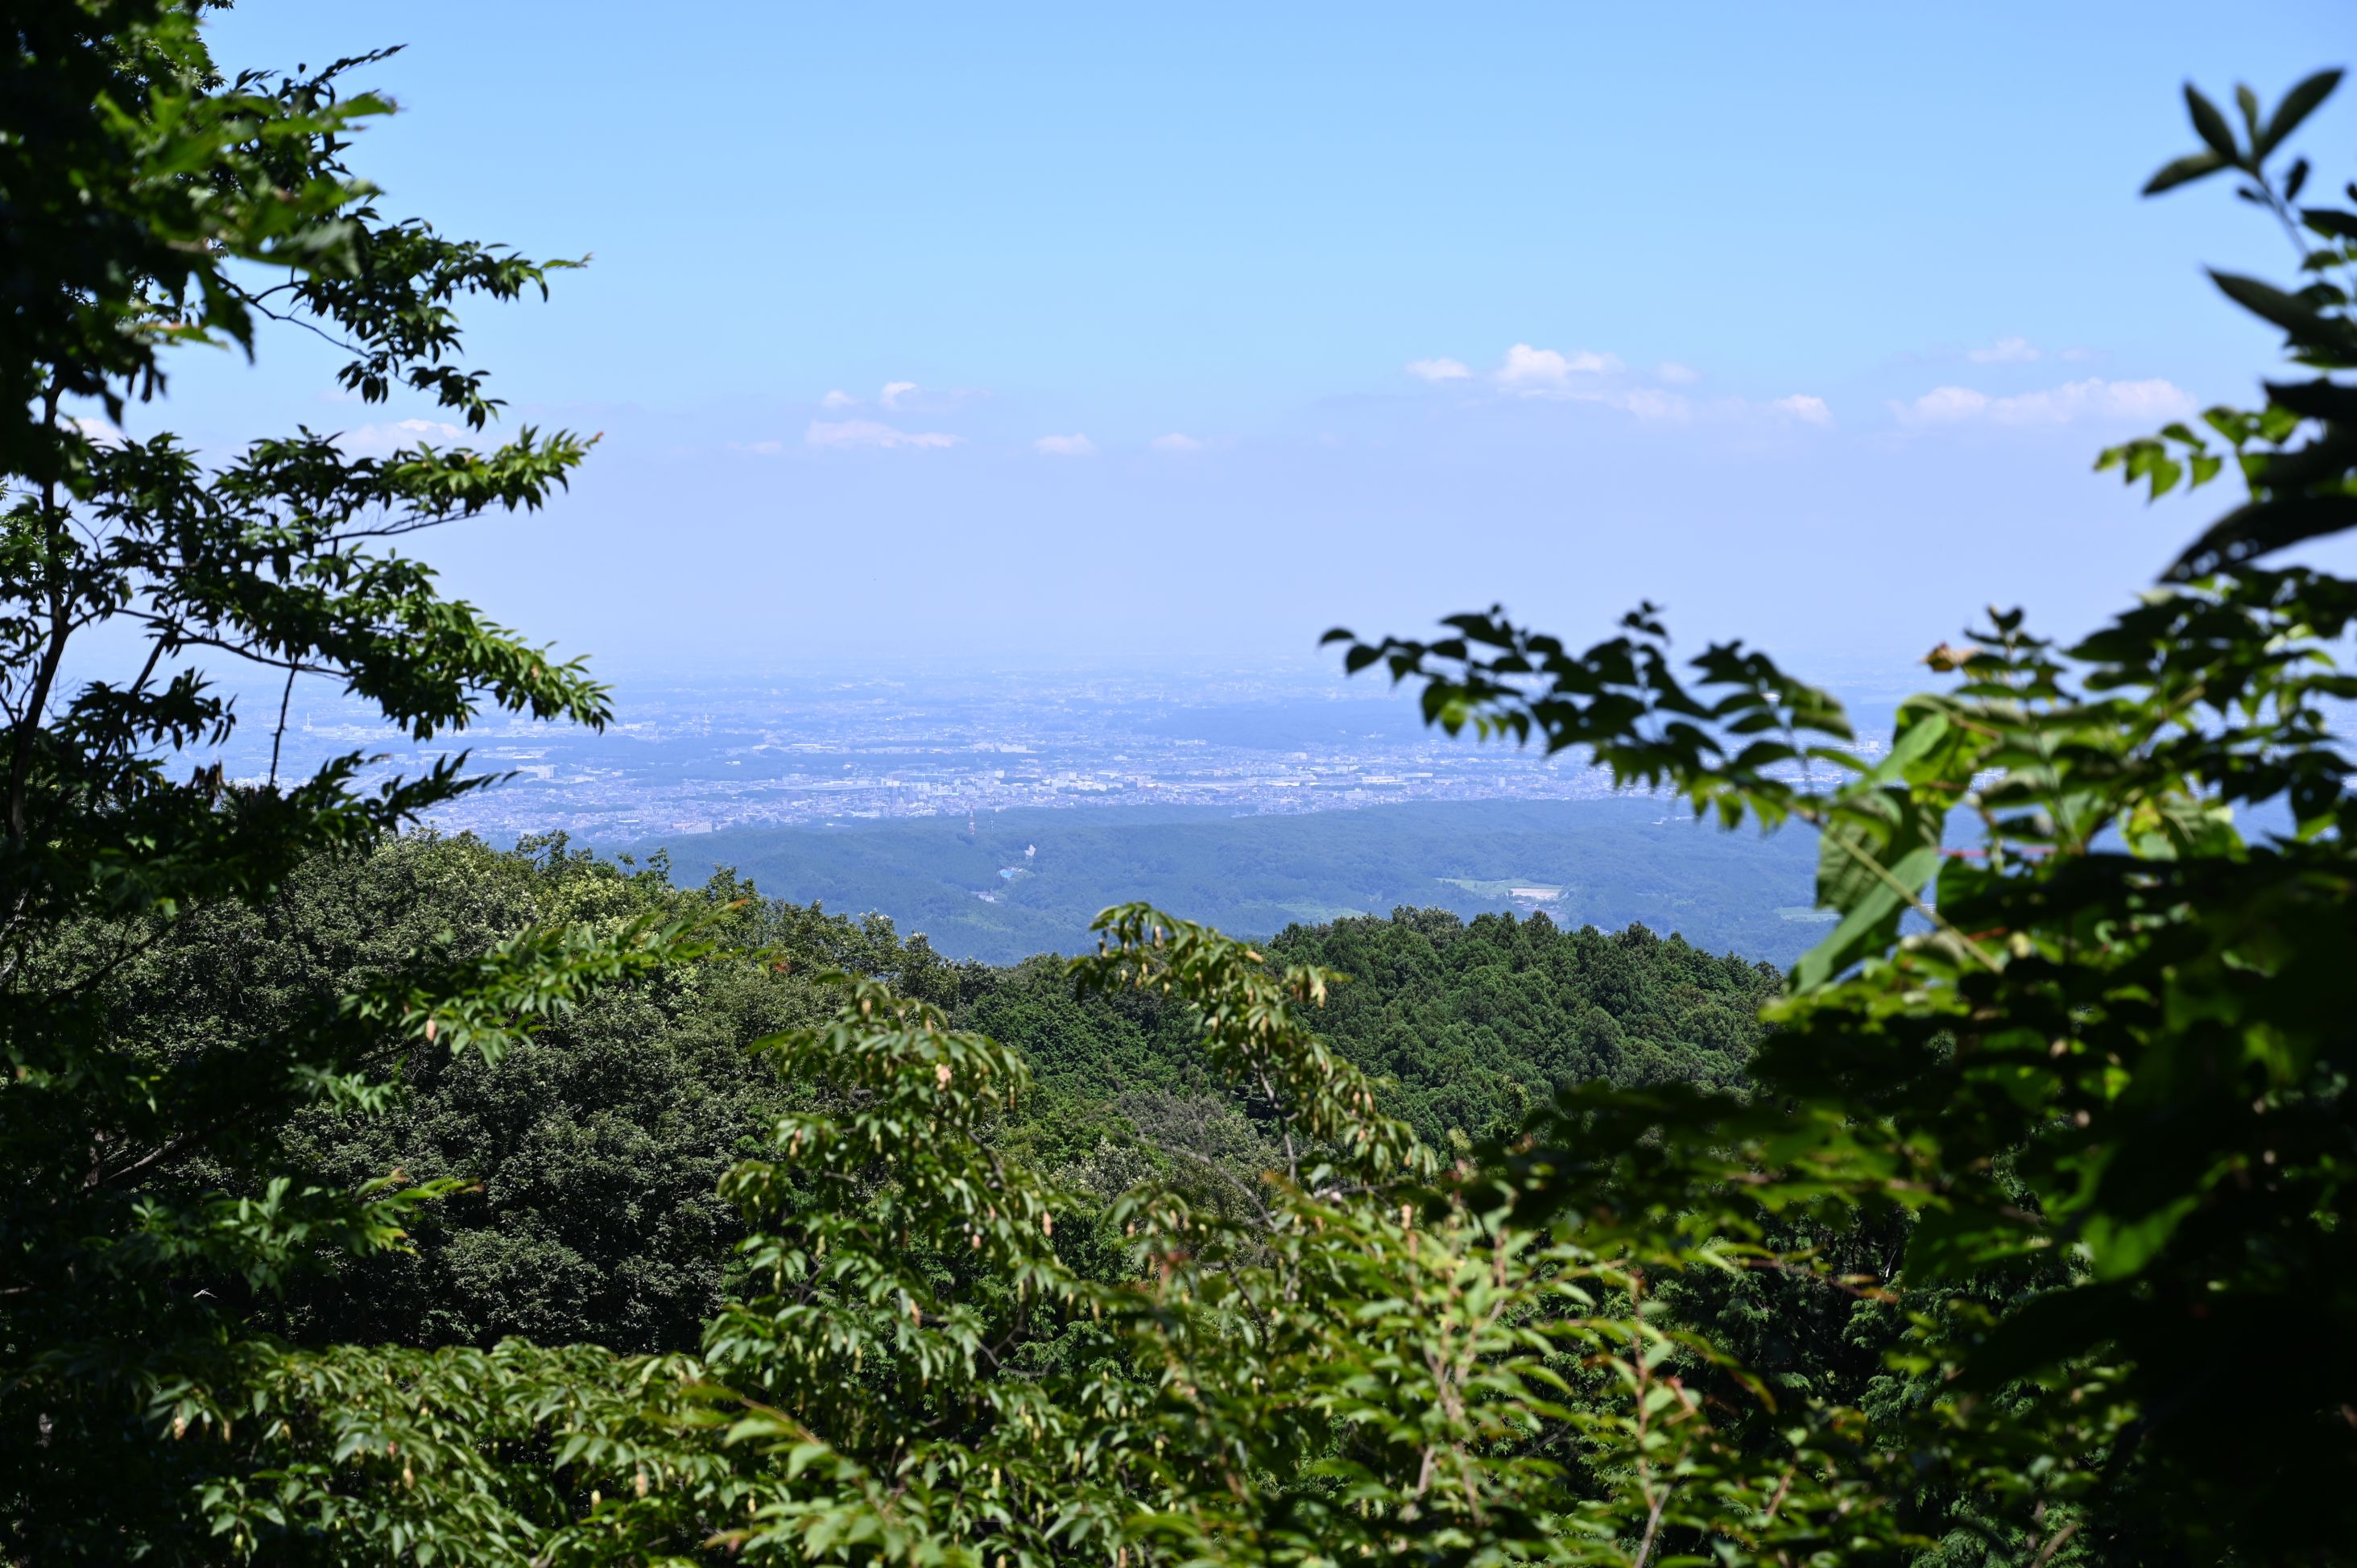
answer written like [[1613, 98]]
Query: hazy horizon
[[1078, 335]]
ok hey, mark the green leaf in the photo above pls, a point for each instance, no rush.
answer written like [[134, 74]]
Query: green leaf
[[2297, 106], [2327, 341], [2119, 1247], [1877, 854], [2331, 222], [2333, 402], [2260, 528], [2211, 125], [2191, 167], [2266, 301]]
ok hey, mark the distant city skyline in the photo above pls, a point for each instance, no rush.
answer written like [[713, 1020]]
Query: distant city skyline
[[1071, 332]]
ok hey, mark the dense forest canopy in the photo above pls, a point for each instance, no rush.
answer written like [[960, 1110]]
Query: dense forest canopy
[[588, 1155], [380, 1197]]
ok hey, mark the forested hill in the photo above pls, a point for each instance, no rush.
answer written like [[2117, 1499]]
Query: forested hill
[[1466, 1017], [593, 1148], [1470, 1021]]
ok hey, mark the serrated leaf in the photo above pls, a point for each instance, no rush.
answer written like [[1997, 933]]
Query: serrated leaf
[[1880, 850]]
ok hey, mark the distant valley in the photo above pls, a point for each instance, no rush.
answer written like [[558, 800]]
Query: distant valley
[[997, 813], [1030, 881]]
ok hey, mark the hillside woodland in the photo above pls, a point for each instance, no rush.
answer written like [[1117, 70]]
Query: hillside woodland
[[588, 1157], [377, 1197]]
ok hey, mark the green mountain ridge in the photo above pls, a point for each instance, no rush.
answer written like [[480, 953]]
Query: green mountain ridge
[[1610, 862]]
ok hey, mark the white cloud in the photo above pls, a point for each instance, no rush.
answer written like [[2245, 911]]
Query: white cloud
[[1174, 442], [838, 400], [1543, 370], [1074, 446], [1439, 370], [1646, 403], [2004, 351], [908, 397], [98, 431], [1675, 375], [852, 433], [2090, 399], [384, 440], [1944, 405], [1802, 406]]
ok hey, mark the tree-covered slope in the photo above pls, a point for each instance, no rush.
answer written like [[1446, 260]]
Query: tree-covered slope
[[593, 1149], [1472, 1018]]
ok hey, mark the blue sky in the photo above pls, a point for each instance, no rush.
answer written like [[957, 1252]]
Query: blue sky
[[1060, 332]]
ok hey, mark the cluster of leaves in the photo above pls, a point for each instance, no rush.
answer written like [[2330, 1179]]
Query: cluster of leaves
[[148, 202], [2107, 1083], [574, 1172], [2070, 1155], [589, 1152], [940, 1354]]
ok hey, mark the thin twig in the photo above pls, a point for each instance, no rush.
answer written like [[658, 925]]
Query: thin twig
[[1929, 912], [279, 737], [2054, 1545]]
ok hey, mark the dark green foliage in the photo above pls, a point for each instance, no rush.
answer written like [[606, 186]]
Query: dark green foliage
[[1477, 1022], [2021, 1236], [150, 203], [1464, 1025], [588, 1155], [1089, 1047], [585, 1159], [2110, 1083]]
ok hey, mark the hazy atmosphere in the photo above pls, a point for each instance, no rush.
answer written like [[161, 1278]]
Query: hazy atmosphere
[[1215, 787], [1071, 330]]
